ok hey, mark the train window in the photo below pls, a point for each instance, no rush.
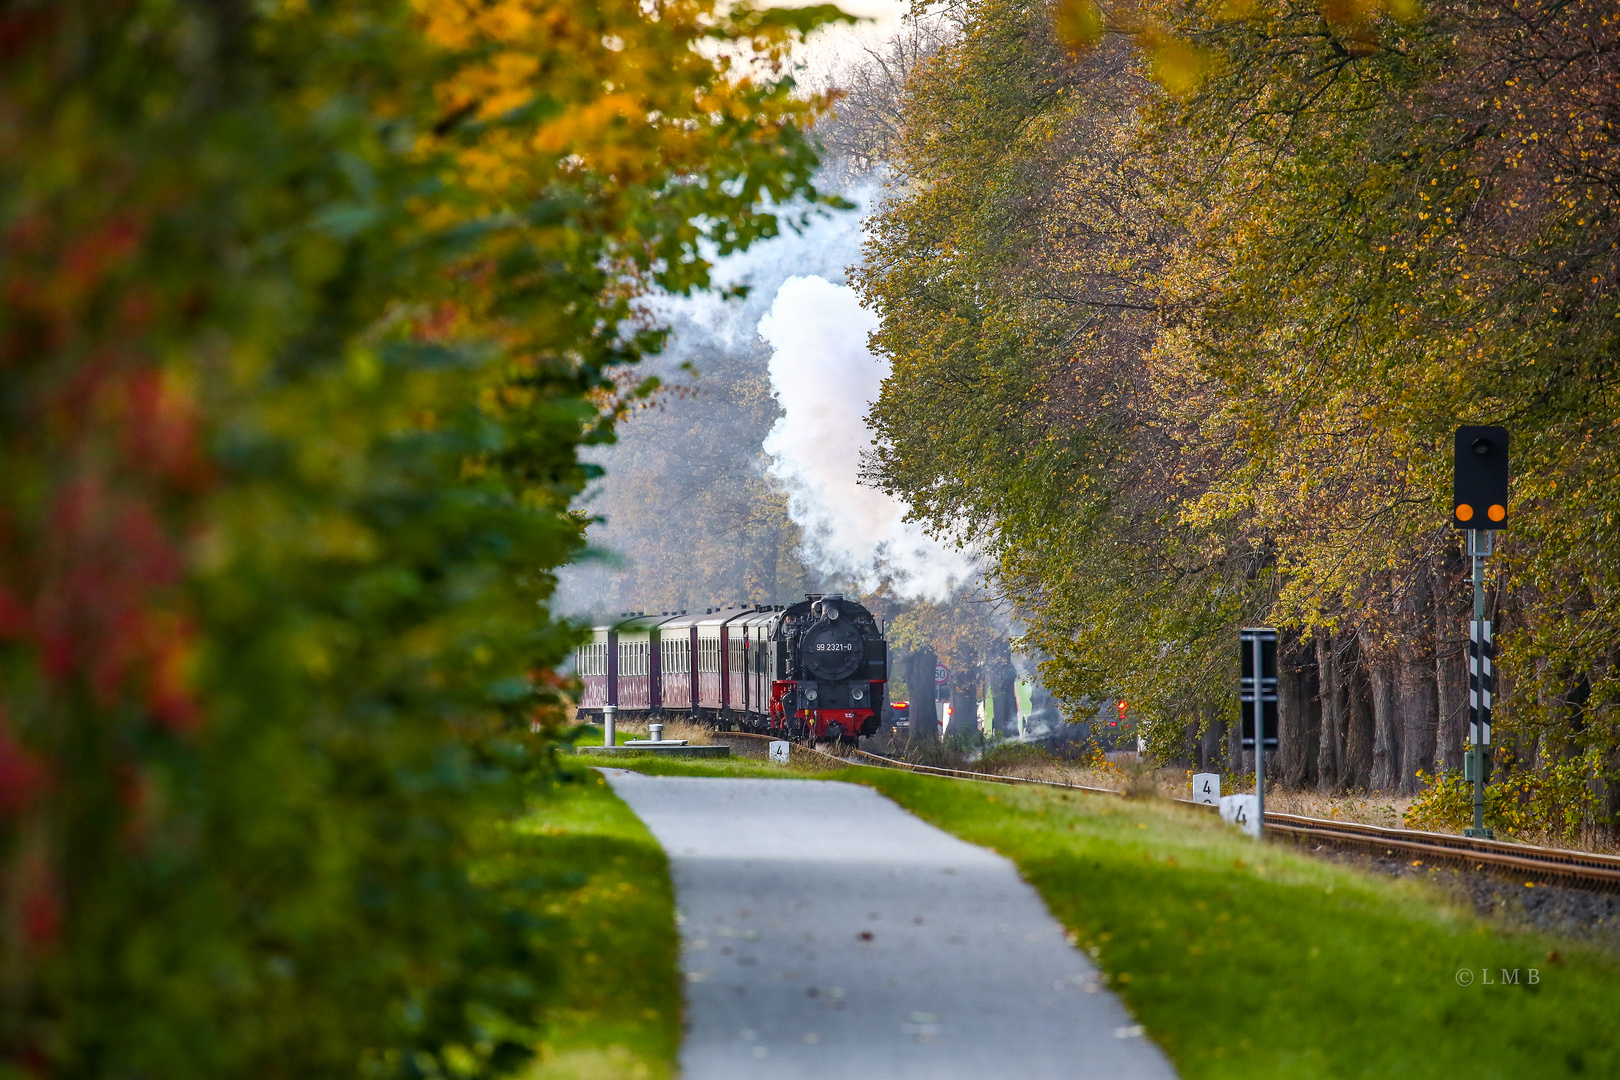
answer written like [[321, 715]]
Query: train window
[[589, 660]]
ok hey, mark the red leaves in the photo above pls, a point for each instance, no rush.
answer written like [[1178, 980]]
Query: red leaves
[[41, 916], [91, 561], [90, 257], [13, 616], [161, 431], [102, 610], [22, 774], [21, 27], [169, 644]]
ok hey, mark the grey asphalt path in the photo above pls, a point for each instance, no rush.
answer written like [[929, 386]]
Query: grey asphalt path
[[827, 933]]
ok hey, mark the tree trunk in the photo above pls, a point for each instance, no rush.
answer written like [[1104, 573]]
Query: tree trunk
[[1188, 758], [964, 705], [1238, 759], [1210, 755], [1334, 704], [1386, 748], [1293, 712], [1453, 610], [1415, 687], [920, 682], [1000, 680], [1610, 797], [1313, 714], [1358, 740]]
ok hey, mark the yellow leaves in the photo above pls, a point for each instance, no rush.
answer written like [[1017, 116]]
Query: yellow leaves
[[1078, 23], [607, 88], [341, 538], [1176, 65]]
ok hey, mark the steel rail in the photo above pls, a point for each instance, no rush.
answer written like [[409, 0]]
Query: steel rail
[[1586, 867]]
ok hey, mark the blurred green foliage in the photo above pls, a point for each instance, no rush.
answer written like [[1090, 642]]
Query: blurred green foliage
[[305, 310]]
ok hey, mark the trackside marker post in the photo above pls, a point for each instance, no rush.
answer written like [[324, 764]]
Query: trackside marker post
[[1240, 810], [1206, 788]]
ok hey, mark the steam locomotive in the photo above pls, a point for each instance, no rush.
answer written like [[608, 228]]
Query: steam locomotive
[[811, 671]]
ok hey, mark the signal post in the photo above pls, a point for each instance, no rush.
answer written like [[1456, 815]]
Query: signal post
[[1479, 505]]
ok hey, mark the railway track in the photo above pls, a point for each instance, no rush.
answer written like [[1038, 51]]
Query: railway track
[[1581, 869]]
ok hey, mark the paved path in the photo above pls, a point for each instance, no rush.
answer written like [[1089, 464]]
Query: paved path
[[828, 933]]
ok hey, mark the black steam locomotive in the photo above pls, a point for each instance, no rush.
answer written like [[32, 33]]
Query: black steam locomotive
[[810, 671]]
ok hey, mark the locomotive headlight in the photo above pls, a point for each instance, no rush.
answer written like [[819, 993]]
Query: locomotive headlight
[[810, 694], [857, 694]]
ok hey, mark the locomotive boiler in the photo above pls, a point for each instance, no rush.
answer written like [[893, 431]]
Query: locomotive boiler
[[810, 671]]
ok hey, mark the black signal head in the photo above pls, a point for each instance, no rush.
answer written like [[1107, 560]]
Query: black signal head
[[1479, 491]]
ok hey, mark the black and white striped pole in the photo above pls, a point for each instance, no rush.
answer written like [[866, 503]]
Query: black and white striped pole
[[1479, 504], [1476, 760]]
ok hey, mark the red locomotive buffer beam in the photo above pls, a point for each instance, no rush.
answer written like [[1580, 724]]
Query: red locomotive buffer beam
[[821, 723]]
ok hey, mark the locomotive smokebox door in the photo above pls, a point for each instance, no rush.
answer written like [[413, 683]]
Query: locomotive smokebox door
[[833, 649]]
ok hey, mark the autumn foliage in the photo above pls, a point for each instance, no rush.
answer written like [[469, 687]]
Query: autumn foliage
[[1184, 306]]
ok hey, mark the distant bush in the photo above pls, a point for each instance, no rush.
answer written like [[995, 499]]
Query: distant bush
[[1558, 801], [1008, 756]]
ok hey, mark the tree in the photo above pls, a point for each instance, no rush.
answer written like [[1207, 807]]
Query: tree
[[1195, 347], [690, 508]]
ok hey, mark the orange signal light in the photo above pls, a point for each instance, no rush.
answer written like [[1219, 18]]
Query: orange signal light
[[1464, 512], [1496, 513]]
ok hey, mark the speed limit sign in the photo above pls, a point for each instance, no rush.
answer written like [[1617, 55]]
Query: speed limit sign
[[942, 674]]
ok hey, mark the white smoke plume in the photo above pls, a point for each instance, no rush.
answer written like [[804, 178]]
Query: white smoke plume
[[828, 242], [825, 378], [854, 536]]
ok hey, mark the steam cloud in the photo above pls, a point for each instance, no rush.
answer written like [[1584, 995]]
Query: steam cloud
[[825, 379]]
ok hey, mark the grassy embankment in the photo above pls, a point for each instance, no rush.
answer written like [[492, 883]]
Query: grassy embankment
[[1246, 961], [602, 882]]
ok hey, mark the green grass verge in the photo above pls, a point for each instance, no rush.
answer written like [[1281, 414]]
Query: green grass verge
[[1250, 961], [604, 882], [800, 766]]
